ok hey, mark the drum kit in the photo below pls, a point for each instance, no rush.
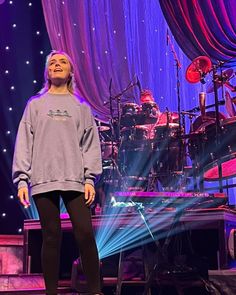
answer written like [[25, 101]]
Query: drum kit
[[147, 147]]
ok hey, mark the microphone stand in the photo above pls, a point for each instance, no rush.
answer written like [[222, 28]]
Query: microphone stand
[[178, 67]]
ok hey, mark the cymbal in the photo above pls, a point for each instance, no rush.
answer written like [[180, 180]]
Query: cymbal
[[103, 128], [226, 75], [199, 67]]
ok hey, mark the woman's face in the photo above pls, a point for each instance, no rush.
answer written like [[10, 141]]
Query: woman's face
[[59, 69]]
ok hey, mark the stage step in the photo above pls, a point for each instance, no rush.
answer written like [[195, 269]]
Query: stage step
[[28, 284]]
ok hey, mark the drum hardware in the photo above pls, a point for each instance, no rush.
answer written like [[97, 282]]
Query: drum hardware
[[196, 73], [197, 109], [188, 114], [103, 128], [220, 80]]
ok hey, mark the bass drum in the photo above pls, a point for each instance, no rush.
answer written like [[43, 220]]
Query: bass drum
[[223, 152], [202, 144]]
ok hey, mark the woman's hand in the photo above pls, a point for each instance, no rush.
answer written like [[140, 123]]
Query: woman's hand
[[89, 192], [23, 195]]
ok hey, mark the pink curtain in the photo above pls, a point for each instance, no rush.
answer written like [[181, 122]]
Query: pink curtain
[[204, 27]]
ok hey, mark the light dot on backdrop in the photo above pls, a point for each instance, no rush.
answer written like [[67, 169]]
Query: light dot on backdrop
[[37, 33], [27, 62], [75, 24], [11, 197], [19, 230], [8, 132], [10, 2], [4, 214], [30, 4], [82, 51], [106, 51], [41, 52], [34, 81], [7, 47], [12, 87], [59, 34], [114, 31], [10, 109], [4, 150], [93, 29], [6, 72], [14, 25], [99, 67]]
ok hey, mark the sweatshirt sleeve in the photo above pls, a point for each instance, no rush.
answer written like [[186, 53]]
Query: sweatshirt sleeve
[[21, 168], [91, 150]]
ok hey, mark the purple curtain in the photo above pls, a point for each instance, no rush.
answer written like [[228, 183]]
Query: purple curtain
[[118, 40], [204, 27]]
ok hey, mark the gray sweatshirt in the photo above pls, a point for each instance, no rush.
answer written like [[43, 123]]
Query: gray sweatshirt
[[57, 145]]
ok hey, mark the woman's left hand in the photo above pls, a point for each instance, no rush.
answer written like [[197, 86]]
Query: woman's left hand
[[89, 192]]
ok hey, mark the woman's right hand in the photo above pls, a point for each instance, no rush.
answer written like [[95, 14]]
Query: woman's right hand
[[23, 195]]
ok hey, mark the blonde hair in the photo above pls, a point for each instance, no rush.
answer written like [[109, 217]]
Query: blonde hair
[[71, 85]]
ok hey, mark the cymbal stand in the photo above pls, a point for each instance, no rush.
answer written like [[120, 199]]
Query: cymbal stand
[[117, 121], [218, 127]]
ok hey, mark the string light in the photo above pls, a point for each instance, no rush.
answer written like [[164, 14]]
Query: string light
[[30, 4], [4, 214], [7, 48], [6, 72], [27, 62], [11, 197], [10, 109]]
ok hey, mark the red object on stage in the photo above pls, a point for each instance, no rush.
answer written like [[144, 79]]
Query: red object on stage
[[199, 67]]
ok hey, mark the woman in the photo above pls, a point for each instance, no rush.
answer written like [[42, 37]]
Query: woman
[[57, 154]]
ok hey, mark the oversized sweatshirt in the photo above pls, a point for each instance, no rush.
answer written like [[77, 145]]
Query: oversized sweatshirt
[[57, 145]]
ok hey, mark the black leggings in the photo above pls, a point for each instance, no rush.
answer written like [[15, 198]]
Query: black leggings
[[48, 206]]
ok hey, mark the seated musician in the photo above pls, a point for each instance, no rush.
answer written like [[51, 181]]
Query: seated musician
[[148, 102]]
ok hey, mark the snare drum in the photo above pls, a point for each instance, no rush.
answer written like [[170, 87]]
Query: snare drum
[[167, 118]]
